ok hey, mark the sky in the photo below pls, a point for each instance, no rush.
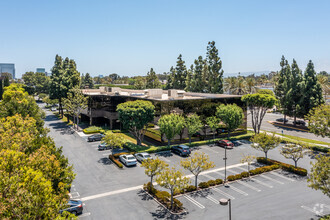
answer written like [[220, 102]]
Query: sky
[[130, 37]]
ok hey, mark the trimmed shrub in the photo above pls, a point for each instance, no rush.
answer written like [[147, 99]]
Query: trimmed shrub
[[321, 149], [122, 153], [150, 188], [203, 185], [93, 130], [287, 167], [191, 188], [177, 205], [231, 178], [113, 159], [211, 182], [218, 181], [163, 197], [245, 174]]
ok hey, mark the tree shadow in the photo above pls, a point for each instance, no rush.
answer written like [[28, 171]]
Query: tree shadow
[[202, 193], [162, 213], [144, 196], [164, 154], [105, 161]]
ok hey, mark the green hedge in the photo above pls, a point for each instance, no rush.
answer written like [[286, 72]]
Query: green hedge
[[113, 159], [93, 130], [321, 149], [290, 168], [163, 197]]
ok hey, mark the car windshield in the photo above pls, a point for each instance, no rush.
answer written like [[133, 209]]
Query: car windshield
[[147, 156], [130, 158], [72, 202], [184, 147]]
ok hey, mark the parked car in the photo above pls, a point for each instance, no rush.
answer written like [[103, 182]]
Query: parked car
[[225, 143], [104, 146], [182, 150], [282, 120], [75, 207], [236, 143], [301, 122], [128, 159], [95, 137], [197, 134], [53, 109], [142, 156]]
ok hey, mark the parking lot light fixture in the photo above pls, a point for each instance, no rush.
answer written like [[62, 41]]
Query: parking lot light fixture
[[225, 159], [225, 202]]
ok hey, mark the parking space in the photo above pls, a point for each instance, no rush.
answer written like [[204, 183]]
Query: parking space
[[257, 194]]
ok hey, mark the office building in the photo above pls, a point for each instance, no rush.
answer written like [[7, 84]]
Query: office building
[[40, 70], [8, 68]]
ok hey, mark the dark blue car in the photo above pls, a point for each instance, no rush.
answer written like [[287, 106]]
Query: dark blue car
[[182, 150], [75, 207]]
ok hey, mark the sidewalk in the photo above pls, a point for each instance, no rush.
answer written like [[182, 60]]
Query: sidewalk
[[280, 136]]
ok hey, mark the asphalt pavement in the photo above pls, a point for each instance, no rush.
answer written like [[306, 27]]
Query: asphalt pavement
[[112, 193]]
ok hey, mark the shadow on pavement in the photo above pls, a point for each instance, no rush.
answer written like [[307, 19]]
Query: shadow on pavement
[[105, 161], [144, 196], [162, 213]]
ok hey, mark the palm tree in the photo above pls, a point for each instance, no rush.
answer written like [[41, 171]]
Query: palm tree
[[240, 86], [250, 85], [230, 84], [324, 82]]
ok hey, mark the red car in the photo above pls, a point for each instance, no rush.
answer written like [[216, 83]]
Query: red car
[[225, 143]]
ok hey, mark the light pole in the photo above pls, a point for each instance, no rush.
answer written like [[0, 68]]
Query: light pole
[[225, 159], [225, 202]]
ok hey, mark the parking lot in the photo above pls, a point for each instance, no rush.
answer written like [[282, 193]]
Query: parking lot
[[110, 192]]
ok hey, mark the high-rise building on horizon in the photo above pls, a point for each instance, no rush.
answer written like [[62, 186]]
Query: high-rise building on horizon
[[8, 68], [40, 70]]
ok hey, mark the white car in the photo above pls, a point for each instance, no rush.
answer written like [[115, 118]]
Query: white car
[[142, 156], [53, 109], [128, 159]]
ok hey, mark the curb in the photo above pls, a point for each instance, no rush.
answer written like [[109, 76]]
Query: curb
[[284, 126]]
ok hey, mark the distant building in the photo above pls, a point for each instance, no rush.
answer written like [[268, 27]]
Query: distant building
[[8, 68], [101, 76], [41, 70]]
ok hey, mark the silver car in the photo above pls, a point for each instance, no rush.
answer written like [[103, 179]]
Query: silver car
[[142, 156], [128, 159]]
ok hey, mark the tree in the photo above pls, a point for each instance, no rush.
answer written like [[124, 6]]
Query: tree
[[231, 115], [319, 177], [258, 105], [140, 82], [115, 140], [152, 80], [171, 125], [215, 71], [87, 81], [153, 167], [75, 103], [248, 159], [312, 90], [64, 77], [171, 78], [250, 85], [281, 86], [295, 91], [293, 151], [1, 88], [214, 123], [193, 124], [173, 180], [199, 80], [197, 163], [135, 115], [319, 120], [324, 82], [6, 81], [17, 101], [179, 81], [265, 142]]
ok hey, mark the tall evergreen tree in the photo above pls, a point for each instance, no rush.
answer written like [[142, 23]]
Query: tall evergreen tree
[[170, 79], [88, 81], [1, 88], [280, 86], [198, 75], [152, 80], [190, 81], [295, 91], [215, 80], [312, 90], [180, 74]]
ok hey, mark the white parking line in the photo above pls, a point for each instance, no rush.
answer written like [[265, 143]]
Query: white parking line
[[312, 210], [111, 193], [249, 186], [242, 168], [106, 154], [85, 215], [207, 176], [212, 199], [279, 175], [269, 178], [238, 190], [262, 183], [232, 171], [223, 193], [210, 149], [220, 174], [74, 195], [194, 202], [165, 159]]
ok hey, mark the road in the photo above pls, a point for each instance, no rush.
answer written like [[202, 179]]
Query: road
[[269, 127], [112, 193]]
